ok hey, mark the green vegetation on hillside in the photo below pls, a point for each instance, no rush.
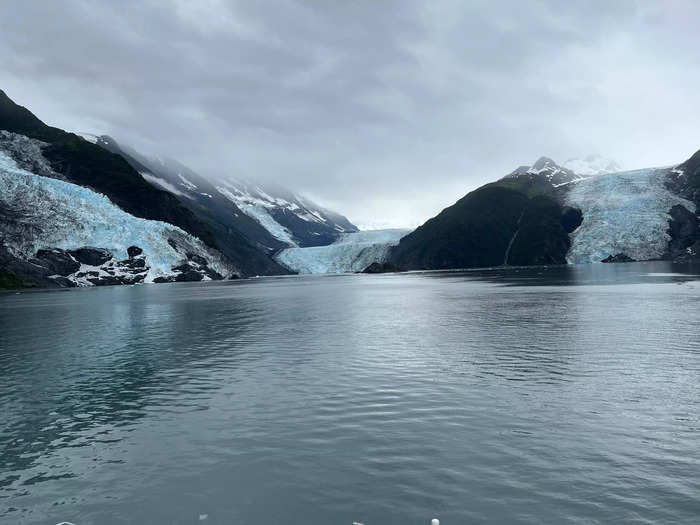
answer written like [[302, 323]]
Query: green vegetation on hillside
[[511, 221]]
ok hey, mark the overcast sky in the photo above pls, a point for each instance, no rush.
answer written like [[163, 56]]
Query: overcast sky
[[385, 111]]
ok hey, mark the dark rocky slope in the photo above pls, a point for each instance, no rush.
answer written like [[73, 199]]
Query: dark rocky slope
[[81, 162], [511, 222], [227, 201], [532, 217], [684, 227]]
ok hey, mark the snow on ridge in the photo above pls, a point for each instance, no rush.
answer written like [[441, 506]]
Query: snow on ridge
[[187, 183], [57, 214], [624, 212], [352, 252], [678, 172], [163, 184], [572, 181], [547, 167], [90, 137], [254, 209], [255, 202]]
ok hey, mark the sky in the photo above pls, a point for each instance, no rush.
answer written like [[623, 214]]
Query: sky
[[386, 111]]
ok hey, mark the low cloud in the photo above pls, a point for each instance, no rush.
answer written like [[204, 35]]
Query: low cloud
[[385, 111]]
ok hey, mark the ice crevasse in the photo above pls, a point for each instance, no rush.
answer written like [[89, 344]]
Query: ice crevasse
[[625, 212], [43, 212]]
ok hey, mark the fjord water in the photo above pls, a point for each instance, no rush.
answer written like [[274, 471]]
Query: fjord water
[[546, 395]]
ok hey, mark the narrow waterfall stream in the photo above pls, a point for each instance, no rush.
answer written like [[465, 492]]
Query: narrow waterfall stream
[[512, 239]]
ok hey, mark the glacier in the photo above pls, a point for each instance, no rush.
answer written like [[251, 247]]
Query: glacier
[[352, 252], [39, 212], [625, 212]]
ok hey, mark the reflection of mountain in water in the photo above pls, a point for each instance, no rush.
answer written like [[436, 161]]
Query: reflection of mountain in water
[[131, 355]]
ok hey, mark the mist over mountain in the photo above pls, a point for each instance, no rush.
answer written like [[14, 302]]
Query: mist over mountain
[[84, 210], [356, 105]]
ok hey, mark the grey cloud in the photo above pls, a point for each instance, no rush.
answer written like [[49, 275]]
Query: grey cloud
[[387, 111]]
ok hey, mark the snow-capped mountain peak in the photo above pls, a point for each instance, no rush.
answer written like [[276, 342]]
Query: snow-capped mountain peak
[[549, 169], [545, 169], [573, 170]]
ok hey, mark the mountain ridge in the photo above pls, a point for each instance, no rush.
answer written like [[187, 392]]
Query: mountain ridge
[[536, 215], [268, 215]]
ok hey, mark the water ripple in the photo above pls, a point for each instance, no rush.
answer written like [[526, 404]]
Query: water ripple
[[541, 396]]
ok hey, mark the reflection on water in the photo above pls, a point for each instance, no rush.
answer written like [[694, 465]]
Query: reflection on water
[[520, 395]]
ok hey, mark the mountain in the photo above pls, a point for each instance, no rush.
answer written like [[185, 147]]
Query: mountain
[[543, 172], [81, 210], [270, 216], [492, 226], [550, 214]]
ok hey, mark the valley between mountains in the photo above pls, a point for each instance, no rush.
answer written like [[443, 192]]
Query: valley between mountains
[[88, 210]]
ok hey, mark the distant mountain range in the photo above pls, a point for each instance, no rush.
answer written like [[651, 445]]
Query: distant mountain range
[[551, 214], [82, 210], [67, 199], [270, 216]]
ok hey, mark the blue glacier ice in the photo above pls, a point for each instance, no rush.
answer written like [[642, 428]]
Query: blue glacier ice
[[624, 212], [43, 212], [352, 252]]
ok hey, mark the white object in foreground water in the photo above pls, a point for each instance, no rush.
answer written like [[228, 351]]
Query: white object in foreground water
[[435, 521]]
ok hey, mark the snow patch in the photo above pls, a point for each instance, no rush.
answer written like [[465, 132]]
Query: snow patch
[[93, 139], [162, 183], [186, 183], [257, 210]]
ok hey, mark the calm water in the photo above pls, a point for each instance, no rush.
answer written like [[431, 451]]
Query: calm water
[[561, 395]]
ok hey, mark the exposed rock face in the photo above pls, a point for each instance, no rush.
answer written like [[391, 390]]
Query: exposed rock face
[[684, 229], [133, 251], [684, 179], [56, 261], [618, 258], [194, 269], [88, 266], [97, 266], [545, 170], [91, 256], [684, 226], [571, 218]]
